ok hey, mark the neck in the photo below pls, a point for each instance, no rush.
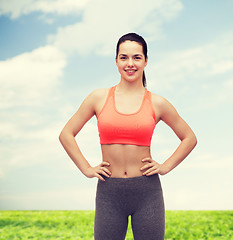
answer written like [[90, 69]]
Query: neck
[[130, 86]]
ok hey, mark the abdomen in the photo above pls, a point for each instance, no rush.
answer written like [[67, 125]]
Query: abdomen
[[125, 160]]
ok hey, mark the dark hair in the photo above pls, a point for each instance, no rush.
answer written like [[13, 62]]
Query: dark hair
[[136, 38]]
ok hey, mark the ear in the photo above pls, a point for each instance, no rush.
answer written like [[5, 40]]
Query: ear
[[146, 61], [116, 60]]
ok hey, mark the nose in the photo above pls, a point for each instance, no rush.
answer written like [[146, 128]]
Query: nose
[[130, 62]]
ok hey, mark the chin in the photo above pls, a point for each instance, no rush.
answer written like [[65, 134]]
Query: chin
[[131, 78]]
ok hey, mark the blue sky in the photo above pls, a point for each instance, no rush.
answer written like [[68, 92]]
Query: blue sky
[[54, 53]]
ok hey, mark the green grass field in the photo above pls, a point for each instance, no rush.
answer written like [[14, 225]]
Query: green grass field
[[42, 225]]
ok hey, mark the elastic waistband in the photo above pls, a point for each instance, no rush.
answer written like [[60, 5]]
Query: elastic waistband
[[130, 179]]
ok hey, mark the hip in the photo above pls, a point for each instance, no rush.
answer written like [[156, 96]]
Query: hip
[[131, 185]]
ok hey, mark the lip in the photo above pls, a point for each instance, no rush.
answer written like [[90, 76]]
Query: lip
[[130, 71]]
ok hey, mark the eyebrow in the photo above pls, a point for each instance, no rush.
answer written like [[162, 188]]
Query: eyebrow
[[135, 55]]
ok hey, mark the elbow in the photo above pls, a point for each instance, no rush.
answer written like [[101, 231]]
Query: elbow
[[64, 135], [191, 140], [61, 137], [194, 140]]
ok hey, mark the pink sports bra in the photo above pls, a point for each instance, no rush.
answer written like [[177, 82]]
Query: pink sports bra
[[120, 128]]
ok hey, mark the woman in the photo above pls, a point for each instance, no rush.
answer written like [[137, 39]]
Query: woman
[[128, 176]]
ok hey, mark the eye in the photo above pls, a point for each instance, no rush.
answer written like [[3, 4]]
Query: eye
[[122, 58], [138, 58]]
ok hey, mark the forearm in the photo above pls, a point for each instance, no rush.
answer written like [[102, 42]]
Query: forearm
[[183, 150], [70, 145]]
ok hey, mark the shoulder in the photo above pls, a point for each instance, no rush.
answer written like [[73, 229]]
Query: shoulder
[[158, 101], [97, 94], [96, 98], [163, 106]]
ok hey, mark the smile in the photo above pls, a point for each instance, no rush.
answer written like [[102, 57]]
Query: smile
[[130, 71]]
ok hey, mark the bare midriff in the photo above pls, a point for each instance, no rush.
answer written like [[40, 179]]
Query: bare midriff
[[125, 160]]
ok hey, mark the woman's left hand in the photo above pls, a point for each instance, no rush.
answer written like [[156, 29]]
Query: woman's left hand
[[152, 167]]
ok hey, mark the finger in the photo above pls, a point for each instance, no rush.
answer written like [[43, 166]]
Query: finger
[[147, 166], [147, 159], [105, 164], [102, 172], [152, 172], [106, 170], [100, 177]]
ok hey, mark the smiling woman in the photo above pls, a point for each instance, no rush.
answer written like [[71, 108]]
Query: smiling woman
[[127, 114], [133, 54]]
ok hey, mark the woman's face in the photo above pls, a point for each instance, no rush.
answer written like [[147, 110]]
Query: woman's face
[[131, 61]]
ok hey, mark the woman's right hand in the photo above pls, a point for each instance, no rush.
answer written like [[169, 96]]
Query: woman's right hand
[[98, 171]]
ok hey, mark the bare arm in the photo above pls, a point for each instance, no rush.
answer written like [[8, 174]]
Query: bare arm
[[169, 115], [67, 138]]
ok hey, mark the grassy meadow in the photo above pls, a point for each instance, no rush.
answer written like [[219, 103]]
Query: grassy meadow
[[75, 225]]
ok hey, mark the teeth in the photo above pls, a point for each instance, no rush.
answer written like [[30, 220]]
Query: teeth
[[130, 71]]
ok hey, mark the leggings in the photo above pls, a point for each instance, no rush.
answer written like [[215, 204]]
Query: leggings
[[117, 198]]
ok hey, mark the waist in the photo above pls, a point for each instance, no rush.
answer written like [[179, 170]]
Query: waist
[[125, 160], [139, 184]]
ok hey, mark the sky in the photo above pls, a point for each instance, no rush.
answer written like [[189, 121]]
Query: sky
[[54, 53]]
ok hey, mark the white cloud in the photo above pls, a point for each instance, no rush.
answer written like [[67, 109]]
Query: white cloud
[[29, 82], [28, 147], [29, 78], [22, 7], [41, 144], [225, 93], [207, 161], [200, 182], [187, 198], [221, 67], [199, 64], [81, 198], [105, 21]]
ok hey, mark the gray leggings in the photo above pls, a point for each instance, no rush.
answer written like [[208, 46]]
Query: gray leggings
[[141, 197]]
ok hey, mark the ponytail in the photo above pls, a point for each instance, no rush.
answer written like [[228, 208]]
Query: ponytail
[[144, 79]]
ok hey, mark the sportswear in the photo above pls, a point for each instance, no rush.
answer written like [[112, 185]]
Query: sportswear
[[119, 128], [139, 197]]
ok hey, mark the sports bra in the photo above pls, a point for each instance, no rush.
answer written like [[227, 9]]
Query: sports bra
[[119, 128]]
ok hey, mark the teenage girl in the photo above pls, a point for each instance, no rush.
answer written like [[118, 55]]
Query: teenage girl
[[127, 114]]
